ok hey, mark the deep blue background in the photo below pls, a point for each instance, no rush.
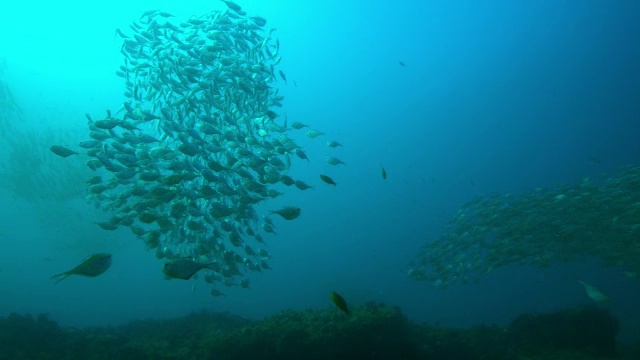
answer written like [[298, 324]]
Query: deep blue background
[[496, 96]]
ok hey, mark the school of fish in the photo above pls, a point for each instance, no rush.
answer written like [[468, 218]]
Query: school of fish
[[198, 143], [541, 228]]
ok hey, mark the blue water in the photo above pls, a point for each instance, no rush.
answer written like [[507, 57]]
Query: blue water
[[500, 96]]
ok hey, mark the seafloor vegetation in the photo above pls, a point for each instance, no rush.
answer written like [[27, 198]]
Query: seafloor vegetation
[[372, 331]]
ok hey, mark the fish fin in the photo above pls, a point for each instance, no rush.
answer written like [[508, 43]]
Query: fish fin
[[61, 276]]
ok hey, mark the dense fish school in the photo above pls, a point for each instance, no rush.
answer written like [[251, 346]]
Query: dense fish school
[[540, 228], [198, 142]]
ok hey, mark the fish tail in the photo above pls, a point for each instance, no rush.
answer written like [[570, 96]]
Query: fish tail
[[60, 277]]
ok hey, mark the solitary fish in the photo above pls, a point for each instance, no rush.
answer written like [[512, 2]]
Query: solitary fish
[[288, 212], [340, 302], [314, 133], [63, 151], [334, 161], [216, 293], [298, 125], [327, 180], [92, 266], [183, 268], [384, 172], [594, 293]]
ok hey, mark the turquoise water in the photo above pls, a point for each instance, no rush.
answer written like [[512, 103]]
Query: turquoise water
[[456, 100]]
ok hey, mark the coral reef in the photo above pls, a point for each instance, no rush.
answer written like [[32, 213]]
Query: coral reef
[[372, 331]]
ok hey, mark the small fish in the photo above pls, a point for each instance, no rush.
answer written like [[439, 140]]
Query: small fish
[[105, 225], [340, 302], [333, 144], [327, 180], [402, 64], [216, 293], [183, 268], [314, 133], [594, 293], [62, 151], [92, 266], [298, 125], [283, 76], [334, 161], [301, 154], [106, 124], [288, 212], [233, 6], [260, 21], [384, 173], [302, 185]]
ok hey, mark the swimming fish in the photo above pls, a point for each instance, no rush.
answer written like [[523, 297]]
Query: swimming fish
[[384, 172], [334, 161], [594, 293], [283, 76], [340, 302], [92, 266], [314, 133], [327, 180], [288, 212], [62, 151], [183, 268], [216, 293]]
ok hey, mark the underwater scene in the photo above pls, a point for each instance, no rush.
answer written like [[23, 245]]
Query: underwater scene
[[320, 179]]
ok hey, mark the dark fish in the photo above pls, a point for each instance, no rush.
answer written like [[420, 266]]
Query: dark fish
[[283, 76], [89, 144], [260, 21], [384, 172], [233, 6], [340, 302], [301, 154], [106, 124], [62, 151], [183, 268], [327, 180], [302, 185], [298, 125], [271, 114], [288, 212], [92, 266], [402, 64]]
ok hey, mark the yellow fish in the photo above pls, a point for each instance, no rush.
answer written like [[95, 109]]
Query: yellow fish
[[340, 302], [92, 266]]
